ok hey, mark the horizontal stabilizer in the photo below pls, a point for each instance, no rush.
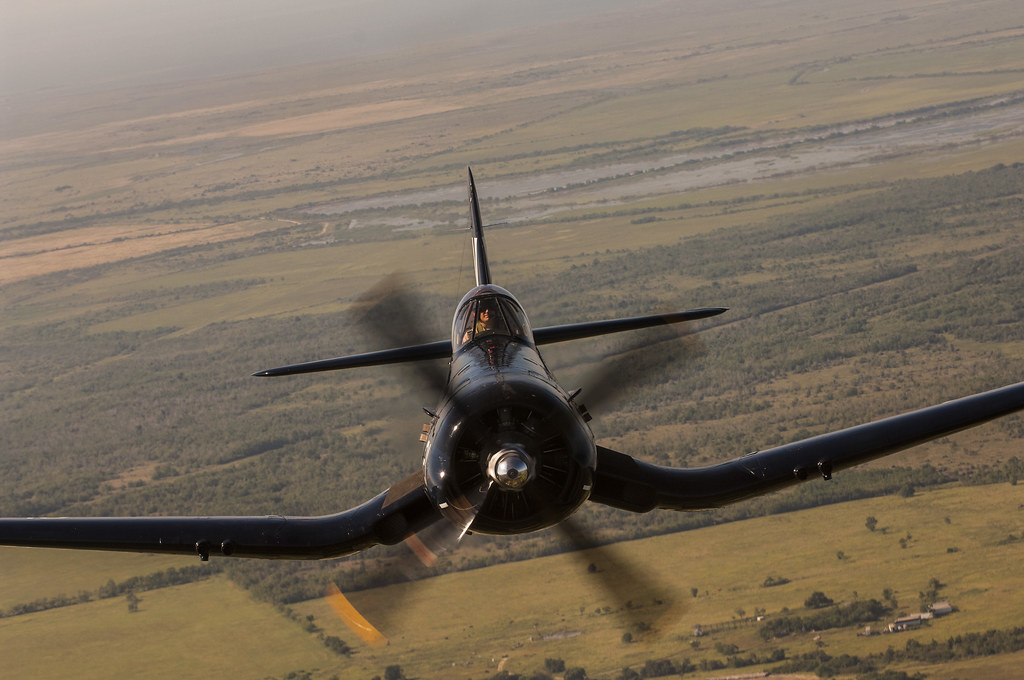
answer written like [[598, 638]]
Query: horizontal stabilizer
[[442, 349], [590, 329], [434, 350]]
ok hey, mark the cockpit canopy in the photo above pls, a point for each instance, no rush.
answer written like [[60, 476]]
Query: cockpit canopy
[[490, 311]]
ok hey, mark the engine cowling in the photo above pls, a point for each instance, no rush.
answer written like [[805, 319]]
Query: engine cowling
[[521, 457]]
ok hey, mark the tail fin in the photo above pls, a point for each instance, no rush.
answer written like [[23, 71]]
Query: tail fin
[[480, 266]]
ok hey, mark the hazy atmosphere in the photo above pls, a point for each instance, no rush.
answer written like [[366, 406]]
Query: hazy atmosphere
[[87, 43]]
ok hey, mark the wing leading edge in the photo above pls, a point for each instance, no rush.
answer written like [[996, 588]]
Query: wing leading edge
[[386, 519], [623, 482]]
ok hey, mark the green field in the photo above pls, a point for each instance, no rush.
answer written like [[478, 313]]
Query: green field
[[846, 178], [213, 627]]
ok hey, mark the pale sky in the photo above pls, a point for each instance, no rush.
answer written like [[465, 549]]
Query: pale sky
[[56, 43]]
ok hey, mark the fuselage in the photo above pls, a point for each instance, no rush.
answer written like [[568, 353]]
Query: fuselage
[[508, 449]]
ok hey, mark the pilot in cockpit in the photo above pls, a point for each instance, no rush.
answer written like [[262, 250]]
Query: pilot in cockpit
[[486, 322]]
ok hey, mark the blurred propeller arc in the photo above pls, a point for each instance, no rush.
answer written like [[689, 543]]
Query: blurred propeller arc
[[636, 361], [645, 604], [353, 619], [425, 547], [391, 316]]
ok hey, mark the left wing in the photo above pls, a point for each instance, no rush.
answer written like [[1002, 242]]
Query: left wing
[[623, 482], [386, 519]]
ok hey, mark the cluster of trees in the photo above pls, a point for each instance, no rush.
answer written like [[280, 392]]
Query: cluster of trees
[[859, 611], [827, 666], [818, 600], [552, 667], [308, 624], [42, 604], [172, 576], [870, 667], [960, 647], [657, 668], [931, 593], [965, 646]]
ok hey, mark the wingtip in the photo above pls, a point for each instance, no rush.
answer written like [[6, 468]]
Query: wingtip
[[270, 372]]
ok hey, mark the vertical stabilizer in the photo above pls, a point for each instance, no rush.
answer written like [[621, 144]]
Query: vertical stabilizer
[[480, 266]]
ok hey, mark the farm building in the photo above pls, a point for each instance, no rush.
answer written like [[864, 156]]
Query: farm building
[[906, 623]]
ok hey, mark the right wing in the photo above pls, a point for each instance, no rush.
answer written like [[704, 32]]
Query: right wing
[[623, 482], [386, 519]]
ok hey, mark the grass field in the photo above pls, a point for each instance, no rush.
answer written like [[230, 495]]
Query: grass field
[[546, 608], [727, 564], [208, 628]]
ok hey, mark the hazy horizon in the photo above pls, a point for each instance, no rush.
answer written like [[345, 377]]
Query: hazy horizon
[[110, 43]]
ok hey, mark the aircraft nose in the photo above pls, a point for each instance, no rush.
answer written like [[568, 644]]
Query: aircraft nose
[[510, 468]]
